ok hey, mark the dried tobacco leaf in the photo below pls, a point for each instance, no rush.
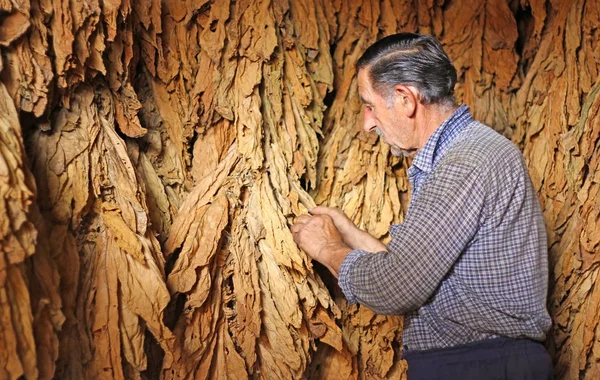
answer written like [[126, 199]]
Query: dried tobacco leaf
[[198, 125], [18, 237]]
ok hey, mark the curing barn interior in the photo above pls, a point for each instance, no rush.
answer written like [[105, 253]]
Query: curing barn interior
[[154, 155]]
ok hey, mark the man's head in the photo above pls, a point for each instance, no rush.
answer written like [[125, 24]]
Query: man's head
[[400, 77]]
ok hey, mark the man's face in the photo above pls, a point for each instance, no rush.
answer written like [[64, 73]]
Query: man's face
[[385, 118]]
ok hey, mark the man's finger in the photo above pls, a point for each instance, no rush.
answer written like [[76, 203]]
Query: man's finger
[[296, 235], [299, 223], [297, 227], [321, 210], [302, 219]]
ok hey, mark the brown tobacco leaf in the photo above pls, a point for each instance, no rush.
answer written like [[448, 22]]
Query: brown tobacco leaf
[[28, 71], [199, 125], [578, 312], [61, 163], [331, 364], [201, 243], [358, 175], [13, 26], [18, 346], [18, 237], [196, 235], [480, 39], [125, 217], [122, 291], [46, 302], [370, 336], [271, 306], [158, 159], [199, 197], [559, 133], [244, 320]]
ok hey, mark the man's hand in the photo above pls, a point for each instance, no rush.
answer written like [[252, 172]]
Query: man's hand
[[318, 236], [353, 236]]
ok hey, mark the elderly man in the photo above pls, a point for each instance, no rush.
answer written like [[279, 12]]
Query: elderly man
[[468, 266]]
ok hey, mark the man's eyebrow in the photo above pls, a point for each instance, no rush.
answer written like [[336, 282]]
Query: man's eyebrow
[[363, 100]]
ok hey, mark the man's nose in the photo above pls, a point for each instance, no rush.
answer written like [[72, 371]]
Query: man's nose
[[369, 124]]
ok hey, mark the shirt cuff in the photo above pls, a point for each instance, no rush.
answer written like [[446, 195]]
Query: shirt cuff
[[344, 275]]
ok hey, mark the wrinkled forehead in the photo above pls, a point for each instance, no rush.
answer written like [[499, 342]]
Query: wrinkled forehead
[[363, 78], [364, 82]]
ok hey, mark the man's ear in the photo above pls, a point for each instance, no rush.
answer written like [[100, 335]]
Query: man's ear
[[408, 96]]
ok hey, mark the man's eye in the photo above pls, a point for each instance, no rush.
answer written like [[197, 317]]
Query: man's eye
[[370, 108]]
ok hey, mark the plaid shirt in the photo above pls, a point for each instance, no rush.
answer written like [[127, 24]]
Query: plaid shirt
[[469, 262]]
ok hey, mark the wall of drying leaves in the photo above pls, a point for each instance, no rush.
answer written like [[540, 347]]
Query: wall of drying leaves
[[154, 153]]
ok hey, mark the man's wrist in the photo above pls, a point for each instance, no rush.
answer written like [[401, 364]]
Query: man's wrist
[[366, 242], [334, 255]]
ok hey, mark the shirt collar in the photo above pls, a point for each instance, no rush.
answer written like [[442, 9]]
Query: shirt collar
[[438, 143]]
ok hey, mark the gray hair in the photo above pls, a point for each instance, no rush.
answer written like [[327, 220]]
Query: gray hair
[[411, 59]]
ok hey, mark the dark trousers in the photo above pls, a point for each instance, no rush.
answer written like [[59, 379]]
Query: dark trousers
[[497, 358]]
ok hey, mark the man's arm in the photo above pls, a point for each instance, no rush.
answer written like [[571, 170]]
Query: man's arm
[[329, 235], [318, 236], [353, 236], [439, 226]]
